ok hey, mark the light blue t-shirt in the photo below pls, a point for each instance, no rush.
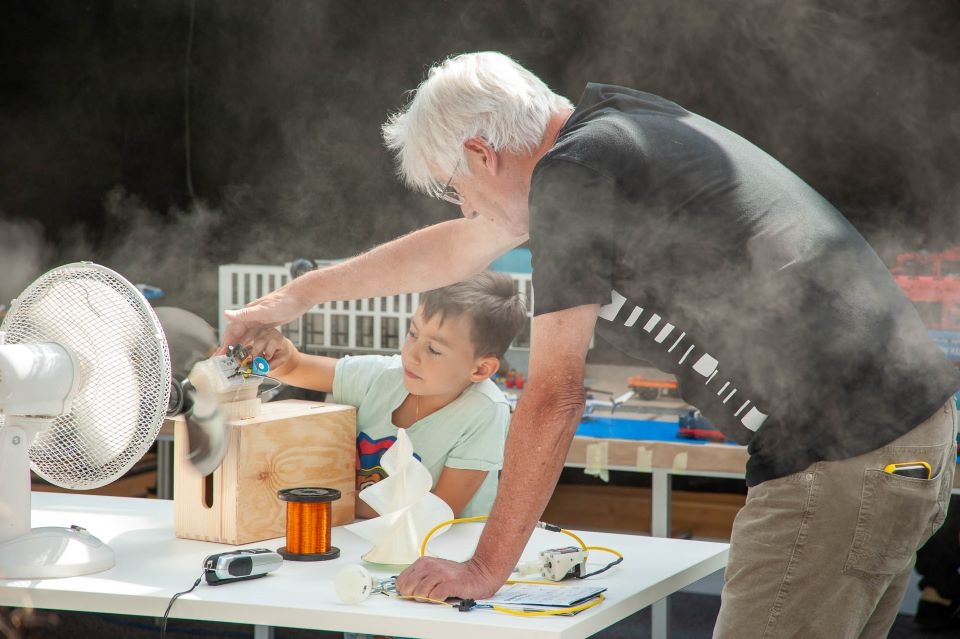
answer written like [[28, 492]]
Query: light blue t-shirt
[[468, 433]]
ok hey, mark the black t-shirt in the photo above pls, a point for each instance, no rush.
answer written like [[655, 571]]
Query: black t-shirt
[[715, 263]]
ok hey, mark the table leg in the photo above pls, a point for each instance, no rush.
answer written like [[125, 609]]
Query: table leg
[[263, 632], [660, 619], [660, 527], [660, 503]]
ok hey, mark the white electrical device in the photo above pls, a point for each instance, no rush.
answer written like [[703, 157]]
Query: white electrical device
[[237, 565], [222, 376], [353, 583], [84, 387], [232, 381], [556, 564]]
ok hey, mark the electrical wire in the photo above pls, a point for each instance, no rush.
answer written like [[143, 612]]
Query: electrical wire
[[569, 610], [442, 524], [466, 605], [166, 613], [239, 373], [469, 604], [464, 520], [276, 383], [309, 520], [619, 559]]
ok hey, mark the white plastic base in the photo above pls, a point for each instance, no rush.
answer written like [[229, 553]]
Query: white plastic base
[[50, 552], [353, 584]]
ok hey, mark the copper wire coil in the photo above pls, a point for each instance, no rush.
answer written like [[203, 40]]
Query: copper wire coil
[[309, 523]]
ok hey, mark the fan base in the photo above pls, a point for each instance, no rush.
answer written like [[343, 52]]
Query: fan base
[[50, 552]]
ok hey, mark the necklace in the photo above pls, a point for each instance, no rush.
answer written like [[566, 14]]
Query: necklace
[[417, 418]]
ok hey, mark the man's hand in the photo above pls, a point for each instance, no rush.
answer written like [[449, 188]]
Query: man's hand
[[440, 579], [273, 309]]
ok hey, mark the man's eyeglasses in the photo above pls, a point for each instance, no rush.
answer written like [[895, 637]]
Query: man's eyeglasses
[[447, 193]]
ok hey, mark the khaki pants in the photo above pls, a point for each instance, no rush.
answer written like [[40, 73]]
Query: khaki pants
[[828, 552]]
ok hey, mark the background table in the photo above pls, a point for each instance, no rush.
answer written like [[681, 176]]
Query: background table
[[152, 565], [652, 446]]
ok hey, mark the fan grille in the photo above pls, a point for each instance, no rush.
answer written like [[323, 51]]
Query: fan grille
[[124, 367]]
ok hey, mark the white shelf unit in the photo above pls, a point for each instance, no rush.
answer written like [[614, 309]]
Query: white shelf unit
[[372, 325]]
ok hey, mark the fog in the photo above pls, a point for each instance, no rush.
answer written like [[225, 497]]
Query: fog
[[163, 139]]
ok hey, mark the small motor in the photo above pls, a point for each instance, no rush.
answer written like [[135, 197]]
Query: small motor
[[231, 377], [245, 364]]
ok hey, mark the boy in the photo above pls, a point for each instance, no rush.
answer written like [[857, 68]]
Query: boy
[[438, 389]]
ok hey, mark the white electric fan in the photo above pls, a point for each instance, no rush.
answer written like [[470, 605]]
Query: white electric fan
[[84, 385]]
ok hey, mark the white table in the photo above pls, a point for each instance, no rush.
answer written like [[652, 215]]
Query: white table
[[152, 565]]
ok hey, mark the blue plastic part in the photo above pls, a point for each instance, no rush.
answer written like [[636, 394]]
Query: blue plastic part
[[259, 366]]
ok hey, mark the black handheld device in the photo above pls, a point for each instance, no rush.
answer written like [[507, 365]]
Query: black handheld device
[[236, 565]]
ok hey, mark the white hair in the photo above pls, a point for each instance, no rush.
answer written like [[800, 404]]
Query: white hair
[[486, 95]]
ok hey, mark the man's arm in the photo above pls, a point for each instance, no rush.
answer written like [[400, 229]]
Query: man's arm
[[429, 258], [540, 434]]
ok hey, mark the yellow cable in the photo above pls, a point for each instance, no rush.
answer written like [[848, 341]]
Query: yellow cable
[[510, 611], [609, 550], [521, 613], [449, 522], [579, 541], [510, 582], [545, 613], [464, 520]]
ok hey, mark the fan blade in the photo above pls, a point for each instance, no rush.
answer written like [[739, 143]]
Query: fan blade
[[206, 431]]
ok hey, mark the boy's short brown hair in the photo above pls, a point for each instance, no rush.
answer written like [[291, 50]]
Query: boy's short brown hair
[[490, 300]]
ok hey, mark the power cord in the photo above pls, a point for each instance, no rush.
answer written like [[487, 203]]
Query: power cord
[[166, 613], [542, 525], [228, 567], [466, 605], [276, 384]]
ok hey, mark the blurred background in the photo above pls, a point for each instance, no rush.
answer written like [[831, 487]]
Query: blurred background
[[164, 138]]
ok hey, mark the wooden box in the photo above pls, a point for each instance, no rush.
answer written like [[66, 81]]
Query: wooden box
[[291, 443]]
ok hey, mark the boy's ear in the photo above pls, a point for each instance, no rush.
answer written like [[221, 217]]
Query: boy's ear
[[485, 368]]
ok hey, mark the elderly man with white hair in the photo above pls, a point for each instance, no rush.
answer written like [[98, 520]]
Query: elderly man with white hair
[[684, 245]]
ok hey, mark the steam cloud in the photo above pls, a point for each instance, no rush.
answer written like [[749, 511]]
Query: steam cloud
[[856, 97], [286, 101], [23, 251]]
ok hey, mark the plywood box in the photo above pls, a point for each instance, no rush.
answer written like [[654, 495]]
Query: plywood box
[[291, 443]]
